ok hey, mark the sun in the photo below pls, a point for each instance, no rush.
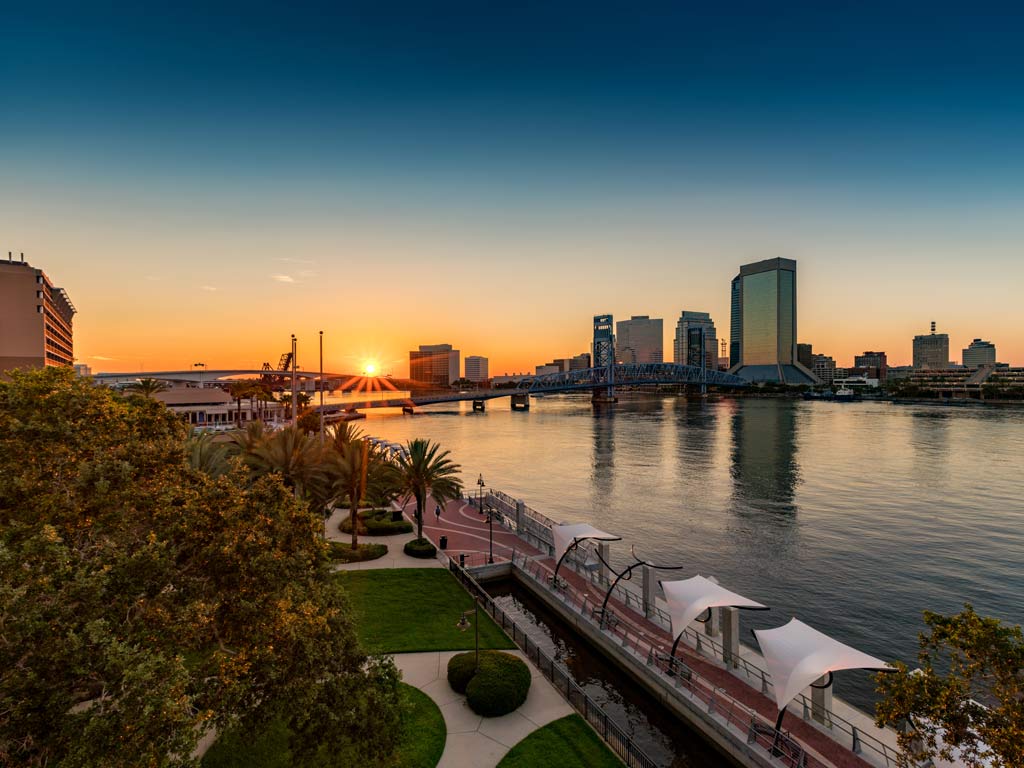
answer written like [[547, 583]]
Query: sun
[[370, 366]]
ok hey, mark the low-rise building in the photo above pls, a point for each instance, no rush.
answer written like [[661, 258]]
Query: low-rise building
[[979, 353], [213, 408]]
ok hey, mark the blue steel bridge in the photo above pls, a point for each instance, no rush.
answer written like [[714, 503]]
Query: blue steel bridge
[[600, 381]]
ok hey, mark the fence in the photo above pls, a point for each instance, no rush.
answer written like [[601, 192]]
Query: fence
[[614, 735]]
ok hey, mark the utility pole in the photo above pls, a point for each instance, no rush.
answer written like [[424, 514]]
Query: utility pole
[[321, 389], [295, 398]]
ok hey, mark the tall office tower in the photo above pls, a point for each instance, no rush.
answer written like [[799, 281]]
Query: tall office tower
[[805, 355], [436, 364], [684, 343], [979, 353], [931, 350], [876, 360], [476, 368], [35, 318], [639, 340], [763, 346]]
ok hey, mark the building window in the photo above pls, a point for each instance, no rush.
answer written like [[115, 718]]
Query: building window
[[39, 308], [39, 294]]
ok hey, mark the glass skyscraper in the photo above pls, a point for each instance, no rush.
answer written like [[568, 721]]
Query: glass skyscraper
[[763, 344]]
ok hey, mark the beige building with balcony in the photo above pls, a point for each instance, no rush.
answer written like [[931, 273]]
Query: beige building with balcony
[[35, 318]]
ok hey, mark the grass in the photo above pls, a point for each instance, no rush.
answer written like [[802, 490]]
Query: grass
[[565, 743], [419, 746], [341, 552], [404, 610]]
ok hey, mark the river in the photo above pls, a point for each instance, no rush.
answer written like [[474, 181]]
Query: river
[[854, 517]]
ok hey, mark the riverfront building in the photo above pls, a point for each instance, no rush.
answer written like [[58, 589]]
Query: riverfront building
[[763, 324], [824, 368], [476, 368], [435, 364], [979, 353], [36, 318], [687, 343], [640, 340], [931, 350], [873, 360]]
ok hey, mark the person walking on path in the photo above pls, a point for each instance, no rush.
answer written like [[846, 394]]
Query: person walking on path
[[437, 512]]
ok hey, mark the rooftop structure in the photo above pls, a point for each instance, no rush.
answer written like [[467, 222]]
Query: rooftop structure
[[36, 318]]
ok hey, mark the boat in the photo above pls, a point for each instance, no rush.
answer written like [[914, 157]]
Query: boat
[[844, 395]]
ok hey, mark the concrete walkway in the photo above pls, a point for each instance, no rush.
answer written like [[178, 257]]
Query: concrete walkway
[[474, 741]]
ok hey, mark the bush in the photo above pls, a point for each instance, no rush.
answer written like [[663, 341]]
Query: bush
[[420, 548], [499, 686], [376, 522], [342, 552]]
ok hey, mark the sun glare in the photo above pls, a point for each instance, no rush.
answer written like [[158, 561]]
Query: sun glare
[[370, 367]]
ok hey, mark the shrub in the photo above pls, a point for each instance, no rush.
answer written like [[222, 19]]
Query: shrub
[[498, 687], [376, 523], [420, 548], [342, 552]]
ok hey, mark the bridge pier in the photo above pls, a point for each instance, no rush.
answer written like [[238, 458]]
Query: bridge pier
[[408, 409], [520, 402], [478, 405], [604, 396]]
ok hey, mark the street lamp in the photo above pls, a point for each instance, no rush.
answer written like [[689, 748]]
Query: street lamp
[[463, 625], [480, 492], [203, 366], [321, 389]]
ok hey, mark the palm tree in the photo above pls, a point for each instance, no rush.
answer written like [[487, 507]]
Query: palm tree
[[425, 470], [206, 455], [147, 387], [240, 390], [294, 456], [343, 434]]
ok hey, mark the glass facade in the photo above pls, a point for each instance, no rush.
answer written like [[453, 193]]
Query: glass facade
[[761, 318], [787, 315], [736, 322]]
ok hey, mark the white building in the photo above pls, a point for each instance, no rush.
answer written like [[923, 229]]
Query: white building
[[979, 353], [640, 340], [476, 368]]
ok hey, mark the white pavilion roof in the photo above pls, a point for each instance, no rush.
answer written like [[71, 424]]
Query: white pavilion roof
[[565, 535], [797, 655], [689, 598]]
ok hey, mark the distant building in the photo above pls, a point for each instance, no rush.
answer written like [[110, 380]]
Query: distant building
[[855, 382], [213, 408], [873, 360], [805, 355], [931, 350], [35, 318], [686, 344], [476, 368], [979, 353], [436, 364], [544, 370], [82, 369], [580, 362], [763, 343], [640, 340], [824, 368]]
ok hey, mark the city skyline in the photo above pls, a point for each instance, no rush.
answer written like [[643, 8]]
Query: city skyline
[[384, 177]]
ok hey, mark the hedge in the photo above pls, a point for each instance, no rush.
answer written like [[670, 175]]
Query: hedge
[[421, 548], [342, 552], [498, 686], [377, 523]]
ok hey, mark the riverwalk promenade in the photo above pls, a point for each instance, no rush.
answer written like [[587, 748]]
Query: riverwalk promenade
[[736, 694]]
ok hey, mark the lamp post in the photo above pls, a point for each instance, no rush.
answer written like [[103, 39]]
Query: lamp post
[[321, 389], [463, 625], [295, 409], [480, 492], [203, 366]]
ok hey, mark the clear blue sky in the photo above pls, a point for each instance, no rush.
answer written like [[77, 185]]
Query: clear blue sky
[[525, 165]]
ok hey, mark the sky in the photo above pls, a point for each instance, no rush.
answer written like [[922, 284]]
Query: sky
[[205, 183]]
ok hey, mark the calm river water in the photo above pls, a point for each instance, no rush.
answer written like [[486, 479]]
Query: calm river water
[[853, 517]]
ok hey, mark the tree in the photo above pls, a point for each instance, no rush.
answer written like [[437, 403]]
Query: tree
[[962, 658], [206, 455], [147, 387], [143, 602], [425, 470], [292, 454]]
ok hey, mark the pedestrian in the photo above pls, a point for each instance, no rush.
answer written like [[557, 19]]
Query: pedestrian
[[437, 512]]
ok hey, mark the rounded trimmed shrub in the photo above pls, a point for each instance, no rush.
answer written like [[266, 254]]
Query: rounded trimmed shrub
[[376, 523], [498, 687], [461, 669], [420, 548]]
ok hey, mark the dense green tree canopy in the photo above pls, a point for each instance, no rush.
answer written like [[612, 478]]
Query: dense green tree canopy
[[144, 601]]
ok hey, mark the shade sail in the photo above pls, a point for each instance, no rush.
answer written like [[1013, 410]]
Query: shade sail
[[689, 598], [797, 655], [567, 535]]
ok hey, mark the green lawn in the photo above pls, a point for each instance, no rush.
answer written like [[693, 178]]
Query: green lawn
[[565, 743], [420, 745], [403, 610]]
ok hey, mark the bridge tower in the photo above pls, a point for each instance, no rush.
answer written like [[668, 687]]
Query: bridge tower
[[604, 357]]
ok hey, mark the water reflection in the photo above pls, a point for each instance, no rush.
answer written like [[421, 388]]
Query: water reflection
[[602, 475], [764, 469]]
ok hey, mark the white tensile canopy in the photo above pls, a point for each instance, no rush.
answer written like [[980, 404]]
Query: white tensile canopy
[[567, 535], [797, 655], [689, 598]]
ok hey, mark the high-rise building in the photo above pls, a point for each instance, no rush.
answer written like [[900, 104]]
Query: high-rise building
[[686, 341], [580, 362], [824, 367], [476, 368], [639, 340], [931, 350], [979, 353], [763, 344], [876, 360], [436, 364], [35, 318], [805, 355]]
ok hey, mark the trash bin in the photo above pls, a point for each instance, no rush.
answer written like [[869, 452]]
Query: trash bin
[[444, 542], [396, 516]]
